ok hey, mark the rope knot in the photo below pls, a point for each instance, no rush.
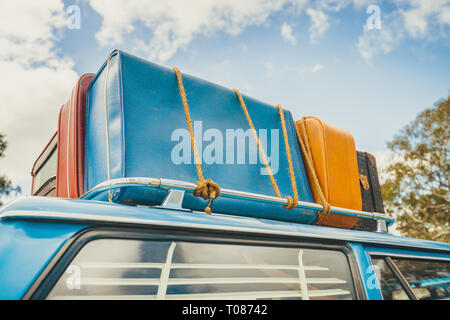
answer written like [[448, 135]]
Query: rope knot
[[208, 190], [326, 208], [291, 203]]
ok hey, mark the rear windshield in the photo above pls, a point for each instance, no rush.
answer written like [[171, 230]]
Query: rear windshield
[[138, 269]]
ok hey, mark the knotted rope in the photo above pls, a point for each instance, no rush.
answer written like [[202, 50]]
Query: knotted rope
[[306, 148], [206, 189], [209, 190], [291, 202]]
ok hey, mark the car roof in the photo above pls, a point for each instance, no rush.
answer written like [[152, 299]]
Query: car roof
[[97, 212]]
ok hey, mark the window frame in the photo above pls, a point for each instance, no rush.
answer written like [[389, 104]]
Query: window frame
[[387, 255], [57, 266]]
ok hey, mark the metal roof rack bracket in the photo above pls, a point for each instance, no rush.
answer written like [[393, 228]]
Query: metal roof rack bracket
[[174, 200]]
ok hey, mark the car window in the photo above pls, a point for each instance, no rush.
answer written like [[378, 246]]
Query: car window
[[140, 269], [430, 280], [390, 286]]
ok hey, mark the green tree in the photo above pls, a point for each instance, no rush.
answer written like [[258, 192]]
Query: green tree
[[6, 186], [417, 183]]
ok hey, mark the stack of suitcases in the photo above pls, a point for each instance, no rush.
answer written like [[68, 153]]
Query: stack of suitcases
[[127, 120]]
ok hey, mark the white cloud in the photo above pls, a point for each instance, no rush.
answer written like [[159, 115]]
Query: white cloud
[[444, 16], [360, 4], [317, 67], [27, 30], [422, 14], [174, 24], [418, 19], [35, 82], [268, 66], [375, 42], [286, 33], [332, 5], [319, 23]]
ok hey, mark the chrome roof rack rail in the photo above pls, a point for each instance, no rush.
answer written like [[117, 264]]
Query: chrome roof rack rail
[[169, 184]]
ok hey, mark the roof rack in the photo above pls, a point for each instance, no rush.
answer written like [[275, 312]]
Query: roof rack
[[177, 188]]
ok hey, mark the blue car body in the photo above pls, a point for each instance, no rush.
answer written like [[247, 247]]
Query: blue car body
[[35, 232]]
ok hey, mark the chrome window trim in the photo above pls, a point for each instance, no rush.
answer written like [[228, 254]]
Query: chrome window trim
[[406, 256]]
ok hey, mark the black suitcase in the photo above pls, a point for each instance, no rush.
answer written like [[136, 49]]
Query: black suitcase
[[372, 200]]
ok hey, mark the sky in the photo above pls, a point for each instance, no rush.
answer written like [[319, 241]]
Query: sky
[[367, 66]]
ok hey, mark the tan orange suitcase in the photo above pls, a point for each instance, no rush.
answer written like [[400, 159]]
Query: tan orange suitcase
[[334, 156]]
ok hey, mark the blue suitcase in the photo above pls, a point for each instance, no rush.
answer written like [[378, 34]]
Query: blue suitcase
[[135, 123]]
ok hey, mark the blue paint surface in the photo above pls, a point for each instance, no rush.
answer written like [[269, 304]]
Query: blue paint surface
[[26, 247], [366, 272]]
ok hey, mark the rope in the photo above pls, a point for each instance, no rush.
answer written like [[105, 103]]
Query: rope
[[206, 189], [306, 148], [291, 202], [258, 143], [209, 190]]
